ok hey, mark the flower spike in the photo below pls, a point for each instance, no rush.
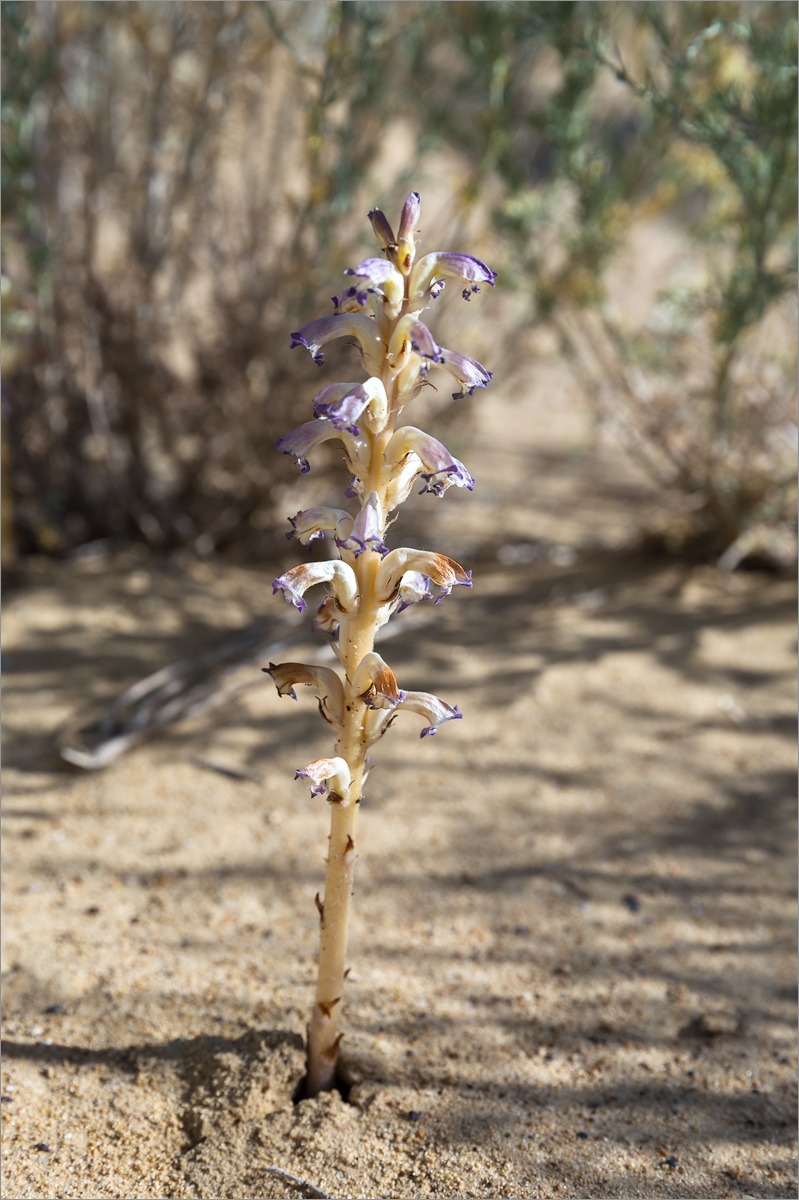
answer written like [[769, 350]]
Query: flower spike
[[368, 583]]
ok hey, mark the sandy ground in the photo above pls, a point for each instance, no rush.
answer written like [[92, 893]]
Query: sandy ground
[[573, 944]]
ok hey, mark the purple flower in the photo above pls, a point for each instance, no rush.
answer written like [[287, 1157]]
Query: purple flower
[[383, 279], [295, 583], [402, 477], [312, 523], [413, 331], [376, 684], [366, 530], [425, 283], [326, 329], [325, 680], [413, 587], [300, 441], [433, 457], [383, 231], [432, 708], [376, 270], [332, 773], [410, 215], [442, 570], [423, 341], [328, 617], [468, 372], [342, 404]]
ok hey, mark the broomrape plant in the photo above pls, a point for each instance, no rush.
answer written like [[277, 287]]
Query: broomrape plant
[[367, 583]]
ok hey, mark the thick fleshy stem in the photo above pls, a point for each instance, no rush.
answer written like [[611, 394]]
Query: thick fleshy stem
[[356, 640]]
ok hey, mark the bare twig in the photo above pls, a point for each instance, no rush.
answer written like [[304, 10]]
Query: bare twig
[[309, 1189], [175, 693], [229, 772]]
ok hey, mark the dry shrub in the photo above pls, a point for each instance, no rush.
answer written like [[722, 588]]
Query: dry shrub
[[187, 166]]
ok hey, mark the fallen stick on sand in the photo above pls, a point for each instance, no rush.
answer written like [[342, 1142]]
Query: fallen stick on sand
[[310, 1189], [185, 689]]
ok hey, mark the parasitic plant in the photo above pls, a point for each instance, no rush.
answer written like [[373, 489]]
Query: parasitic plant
[[367, 583]]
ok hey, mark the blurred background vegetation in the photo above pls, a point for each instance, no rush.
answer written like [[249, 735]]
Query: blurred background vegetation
[[183, 181]]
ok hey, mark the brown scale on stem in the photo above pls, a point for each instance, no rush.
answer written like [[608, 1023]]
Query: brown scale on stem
[[326, 1009]]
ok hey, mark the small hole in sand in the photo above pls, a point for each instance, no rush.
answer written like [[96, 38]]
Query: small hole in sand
[[341, 1086]]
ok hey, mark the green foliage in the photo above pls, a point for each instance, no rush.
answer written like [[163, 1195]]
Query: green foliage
[[703, 128]]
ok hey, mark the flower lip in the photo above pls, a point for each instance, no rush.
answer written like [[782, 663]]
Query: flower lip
[[413, 588], [328, 617], [326, 404], [312, 523], [351, 300], [379, 276], [300, 441], [423, 341], [455, 473], [299, 339]]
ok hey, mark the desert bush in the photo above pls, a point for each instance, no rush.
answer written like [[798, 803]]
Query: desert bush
[[179, 169]]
